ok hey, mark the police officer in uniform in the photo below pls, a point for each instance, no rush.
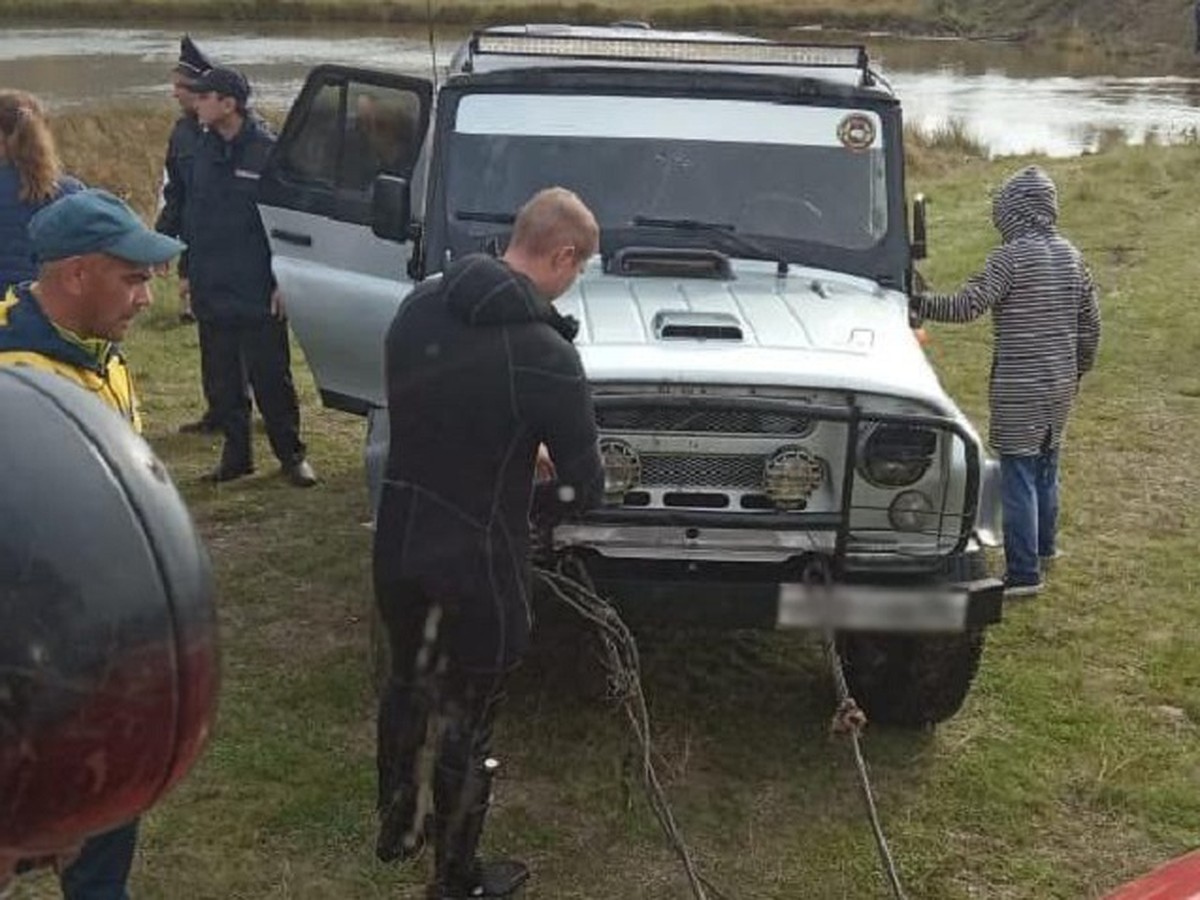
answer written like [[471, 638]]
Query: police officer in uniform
[[181, 147], [237, 302]]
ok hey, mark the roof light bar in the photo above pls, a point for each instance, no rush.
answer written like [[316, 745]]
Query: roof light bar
[[754, 53]]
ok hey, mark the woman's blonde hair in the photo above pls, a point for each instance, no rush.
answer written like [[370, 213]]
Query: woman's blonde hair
[[28, 145]]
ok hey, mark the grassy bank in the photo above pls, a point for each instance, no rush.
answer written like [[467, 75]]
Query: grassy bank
[[1118, 26], [1075, 763], [899, 14]]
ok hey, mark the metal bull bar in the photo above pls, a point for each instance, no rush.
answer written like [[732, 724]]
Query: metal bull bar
[[872, 595], [837, 522]]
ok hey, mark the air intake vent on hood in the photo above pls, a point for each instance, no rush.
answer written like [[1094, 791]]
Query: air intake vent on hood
[[670, 262], [697, 326]]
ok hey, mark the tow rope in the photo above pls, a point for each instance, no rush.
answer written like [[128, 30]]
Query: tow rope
[[849, 720], [568, 581]]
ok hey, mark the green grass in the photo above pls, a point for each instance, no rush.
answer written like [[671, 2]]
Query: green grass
[[1074, 764]]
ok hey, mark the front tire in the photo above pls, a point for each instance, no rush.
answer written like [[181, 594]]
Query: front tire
[[911, 681]]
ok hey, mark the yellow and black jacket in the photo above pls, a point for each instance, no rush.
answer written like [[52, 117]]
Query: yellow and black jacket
[[28, 338]]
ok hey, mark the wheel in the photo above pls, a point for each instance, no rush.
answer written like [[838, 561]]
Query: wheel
[[910, 680]]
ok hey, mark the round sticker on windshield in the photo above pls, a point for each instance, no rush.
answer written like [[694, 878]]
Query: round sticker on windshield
[[857, 131]]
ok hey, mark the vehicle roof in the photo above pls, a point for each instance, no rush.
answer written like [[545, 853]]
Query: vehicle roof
[[469, 59]]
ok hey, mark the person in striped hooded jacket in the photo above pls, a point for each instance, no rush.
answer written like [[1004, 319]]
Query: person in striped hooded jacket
[[1046, 326]]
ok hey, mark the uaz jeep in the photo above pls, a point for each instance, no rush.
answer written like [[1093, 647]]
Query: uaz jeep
[[778, 450]]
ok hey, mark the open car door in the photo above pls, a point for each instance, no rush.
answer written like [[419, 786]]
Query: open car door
[[344, 160]]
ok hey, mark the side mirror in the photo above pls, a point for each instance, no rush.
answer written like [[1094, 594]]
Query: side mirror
[[919, 245], [391, 208]]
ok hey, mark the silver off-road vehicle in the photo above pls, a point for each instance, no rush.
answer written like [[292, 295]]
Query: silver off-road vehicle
[[778, 450]]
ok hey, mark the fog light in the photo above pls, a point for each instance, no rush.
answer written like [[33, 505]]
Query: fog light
[[790, 476], [622, 468], [912, 511]]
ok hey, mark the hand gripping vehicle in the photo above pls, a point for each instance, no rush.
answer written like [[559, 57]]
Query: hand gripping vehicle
[[779, 452]]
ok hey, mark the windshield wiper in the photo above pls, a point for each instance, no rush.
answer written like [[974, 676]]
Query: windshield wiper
[[724, 230], [483, 215], [684, 224]]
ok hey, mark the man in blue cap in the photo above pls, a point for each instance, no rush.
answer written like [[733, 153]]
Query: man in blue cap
[[181, 147], [234, 296], [95, 263]]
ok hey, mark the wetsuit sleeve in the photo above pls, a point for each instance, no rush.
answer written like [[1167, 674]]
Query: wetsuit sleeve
[[560, 405]]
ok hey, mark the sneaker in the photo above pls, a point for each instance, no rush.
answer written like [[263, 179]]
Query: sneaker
[[1017, 590]]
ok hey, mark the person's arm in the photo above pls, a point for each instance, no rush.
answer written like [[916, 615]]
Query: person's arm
[[1088, 339], [981, 292], [170, 217], [560, 401]]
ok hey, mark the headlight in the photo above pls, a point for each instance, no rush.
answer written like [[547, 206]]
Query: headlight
[[897, 455], [622, 468], [912, 511], [790, 476]]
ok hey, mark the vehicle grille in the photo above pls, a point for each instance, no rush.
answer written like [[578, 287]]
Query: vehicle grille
[[727, 471], [708, 421]]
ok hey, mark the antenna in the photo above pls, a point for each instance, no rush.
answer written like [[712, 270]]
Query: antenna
[[433, 63]]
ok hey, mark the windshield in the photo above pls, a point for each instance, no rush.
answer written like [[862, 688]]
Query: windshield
[[782, 174]]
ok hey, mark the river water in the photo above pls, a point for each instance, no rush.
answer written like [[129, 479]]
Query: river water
[[1013, 99]]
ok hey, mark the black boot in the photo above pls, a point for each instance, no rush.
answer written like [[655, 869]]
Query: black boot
[[403, 827], [236, 460], [500, 879], [462, 801], [401, 838]]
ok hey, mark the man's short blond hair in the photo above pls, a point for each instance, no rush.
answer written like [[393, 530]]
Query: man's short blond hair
[[554, 218]]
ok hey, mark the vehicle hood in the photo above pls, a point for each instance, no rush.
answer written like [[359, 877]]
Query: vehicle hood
[[810, 329]]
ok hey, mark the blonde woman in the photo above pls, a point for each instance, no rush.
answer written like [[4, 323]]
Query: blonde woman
[[31, 176]]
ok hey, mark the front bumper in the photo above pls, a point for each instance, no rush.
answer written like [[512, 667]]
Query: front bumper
[[737, 595]]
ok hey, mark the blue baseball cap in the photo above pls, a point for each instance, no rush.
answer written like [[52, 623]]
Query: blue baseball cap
[[94, 221]]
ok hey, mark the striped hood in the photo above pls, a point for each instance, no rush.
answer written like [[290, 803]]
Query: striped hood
[[1026, 205]]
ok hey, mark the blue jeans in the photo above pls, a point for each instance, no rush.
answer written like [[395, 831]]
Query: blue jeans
[[1029, 494], [102, 868]]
